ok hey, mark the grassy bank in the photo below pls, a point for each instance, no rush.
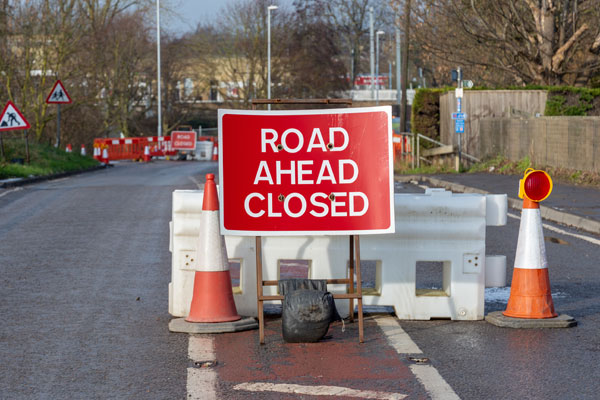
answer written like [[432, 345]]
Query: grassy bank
[[43, 160]]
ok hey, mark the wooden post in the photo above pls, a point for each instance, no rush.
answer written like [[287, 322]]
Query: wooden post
[[351, 277], [259, 290]]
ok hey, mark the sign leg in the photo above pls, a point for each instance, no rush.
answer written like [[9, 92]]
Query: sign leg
[[351, 278], [57, 145], [361, 337], [259, 291]]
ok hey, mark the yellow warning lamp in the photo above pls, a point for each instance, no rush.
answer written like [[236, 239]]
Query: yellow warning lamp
[[536, 185]]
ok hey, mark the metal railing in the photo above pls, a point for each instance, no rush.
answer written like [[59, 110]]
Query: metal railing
[[439, 144]]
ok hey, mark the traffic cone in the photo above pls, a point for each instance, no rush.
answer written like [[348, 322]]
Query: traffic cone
[[69, 149], [105, 159], [147, 156], [212, 299], [83, 150], [215, 156], [530, 295]]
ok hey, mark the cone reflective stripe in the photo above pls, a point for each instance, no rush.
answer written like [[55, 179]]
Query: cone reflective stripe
[[105, 155], [215, 156], [147, 156], [83, 150], [212, 299], [530, 295]]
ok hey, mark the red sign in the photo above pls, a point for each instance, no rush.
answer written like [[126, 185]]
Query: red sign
[[12, 119], [309, 172], [58, 94], [363, 80], [183, 140]]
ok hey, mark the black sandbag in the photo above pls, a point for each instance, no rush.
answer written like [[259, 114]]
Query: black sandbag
[[306, 315], [287, 286]]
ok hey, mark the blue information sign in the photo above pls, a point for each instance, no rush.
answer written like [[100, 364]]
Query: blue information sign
[[459, 125], [459, 115]]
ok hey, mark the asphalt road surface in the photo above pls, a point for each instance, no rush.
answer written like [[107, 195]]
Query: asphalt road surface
[[84, 269], [85, 264]]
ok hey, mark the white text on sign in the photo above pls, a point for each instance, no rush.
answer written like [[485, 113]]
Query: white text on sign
[[302, 172]]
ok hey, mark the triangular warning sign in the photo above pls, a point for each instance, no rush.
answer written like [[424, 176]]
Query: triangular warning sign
[[11, 118], [58, 94]]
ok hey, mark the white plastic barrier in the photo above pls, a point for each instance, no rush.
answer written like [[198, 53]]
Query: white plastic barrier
[[438, 226], [204, 150]]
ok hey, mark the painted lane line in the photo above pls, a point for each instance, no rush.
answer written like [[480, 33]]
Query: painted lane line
[[10, 191], [317, 390], [427, 375], [433, 382], [397, 337], [198, 184], [563, 232], [201, 382]]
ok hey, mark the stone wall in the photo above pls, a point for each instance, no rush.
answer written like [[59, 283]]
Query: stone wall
[[568, 142]]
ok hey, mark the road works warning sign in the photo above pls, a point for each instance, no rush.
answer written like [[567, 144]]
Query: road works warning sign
[[309, 172], [183, 140], [11, 118]]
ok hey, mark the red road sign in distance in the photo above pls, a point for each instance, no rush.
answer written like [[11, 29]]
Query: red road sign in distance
[[183, 140], [309, 172], [58, 94]]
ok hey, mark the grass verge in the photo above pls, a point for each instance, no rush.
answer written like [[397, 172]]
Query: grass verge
[[44, 160]]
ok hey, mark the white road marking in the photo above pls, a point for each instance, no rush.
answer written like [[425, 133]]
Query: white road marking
[[435, 385], [396, 336], [317, 390], [10, 191], [429, 377], [202, 381], [563, 232], [198, 184], [60, 179]]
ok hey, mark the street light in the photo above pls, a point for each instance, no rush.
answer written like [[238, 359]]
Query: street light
[[377, 66], [158, 69], [371, 50], [271, 7]]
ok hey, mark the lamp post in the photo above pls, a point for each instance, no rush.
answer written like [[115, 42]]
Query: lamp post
[[271, 7], [371, 50], [158, 67], [377, 67]]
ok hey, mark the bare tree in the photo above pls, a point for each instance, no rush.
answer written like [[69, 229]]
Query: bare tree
[[350, 20], [549, 42]]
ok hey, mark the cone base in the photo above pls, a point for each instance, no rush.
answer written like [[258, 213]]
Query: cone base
[[181, 325], [213, 298], [498, 319], [530, 295]]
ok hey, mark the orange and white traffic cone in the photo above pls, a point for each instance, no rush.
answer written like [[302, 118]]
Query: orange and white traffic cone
[[83, 150], [104, 158], [530, 295], [215, 156], [69, 149], [212, 299], [147, 156]]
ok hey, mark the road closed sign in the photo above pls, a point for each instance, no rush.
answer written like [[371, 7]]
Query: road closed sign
[[309, 172], [183, 140]]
